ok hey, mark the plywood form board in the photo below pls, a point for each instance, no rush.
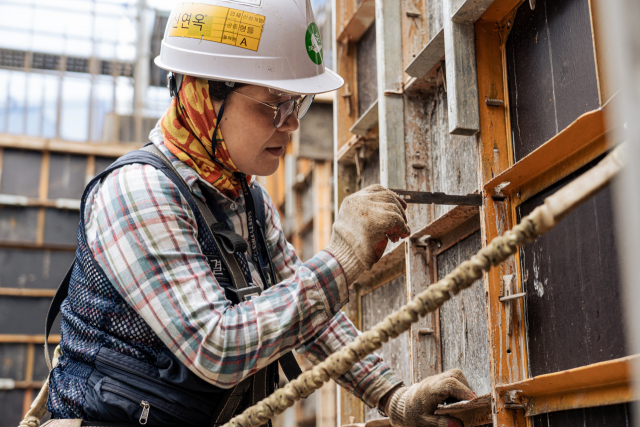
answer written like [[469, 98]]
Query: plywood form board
[[18, 224], [418, 150], [414, 30], [33, 269], [102, 163], [25, 315], [462, 79], [603, 416], [316, 133], [552, 72], [370, 170], [21, 172], [67, 174], [463, 322], [424, 336], [367, 76], [9, 401], [573, 307], [376, 305], [61, 226], [390, 100], [453, 158]]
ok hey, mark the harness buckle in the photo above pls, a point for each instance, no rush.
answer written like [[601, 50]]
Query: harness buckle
[[246, 294]]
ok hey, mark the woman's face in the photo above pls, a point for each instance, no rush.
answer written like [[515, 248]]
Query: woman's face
[[254, 144]]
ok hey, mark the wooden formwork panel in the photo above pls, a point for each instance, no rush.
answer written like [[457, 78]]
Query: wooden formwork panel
[[10, 400], [32, 268], [18, 224], [463, 321], [551, 71], [21, 172], [25, 315], [67, 175], [573, 307], [602, 416], [367, 72], [376, 305]]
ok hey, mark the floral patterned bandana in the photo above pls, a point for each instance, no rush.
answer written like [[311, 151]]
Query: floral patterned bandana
[[188, 126]]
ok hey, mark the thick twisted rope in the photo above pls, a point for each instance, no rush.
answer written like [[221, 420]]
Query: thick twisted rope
[[540, 221]]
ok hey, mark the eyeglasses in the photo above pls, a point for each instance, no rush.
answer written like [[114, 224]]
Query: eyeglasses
[[284, 110]]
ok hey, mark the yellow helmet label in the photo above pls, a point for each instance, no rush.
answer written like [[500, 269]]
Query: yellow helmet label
[[217, 24]]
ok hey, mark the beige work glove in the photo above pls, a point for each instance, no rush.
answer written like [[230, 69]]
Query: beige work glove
[[367, 220], [414, 406]]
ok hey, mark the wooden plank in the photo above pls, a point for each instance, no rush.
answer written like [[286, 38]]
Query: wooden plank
[[347, 152], [366, 71], [10, 200], [415, 34], [469, 10], [61, 146], [586, 130], [500, 9], [390, 265], [462, 79], [598, 384], [476, 412], [453, 157], [461, 232], [43, 193], [20, 292], [360, 22], [323, 214], [446, 223], [367, 121], [428, 58], [463, 326], [390, 101], [376, 305], [28, 376], [26, 339], [17, 244], [507, 351]]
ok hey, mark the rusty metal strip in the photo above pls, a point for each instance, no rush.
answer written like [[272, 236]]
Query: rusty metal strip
[[426, 197]]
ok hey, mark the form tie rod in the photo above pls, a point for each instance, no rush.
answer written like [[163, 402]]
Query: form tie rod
[[427, 198]]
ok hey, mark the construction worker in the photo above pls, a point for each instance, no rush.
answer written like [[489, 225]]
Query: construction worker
[[185, 294]]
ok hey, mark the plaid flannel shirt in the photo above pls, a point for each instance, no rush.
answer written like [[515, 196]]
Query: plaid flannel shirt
[[137, 223]]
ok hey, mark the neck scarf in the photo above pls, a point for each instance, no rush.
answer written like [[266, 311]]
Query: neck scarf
[[188, 126]]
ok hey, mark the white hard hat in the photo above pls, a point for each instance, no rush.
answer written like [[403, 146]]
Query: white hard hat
[[272, 43]]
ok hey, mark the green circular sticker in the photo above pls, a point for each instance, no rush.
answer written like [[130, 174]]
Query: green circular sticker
[[314, 43]]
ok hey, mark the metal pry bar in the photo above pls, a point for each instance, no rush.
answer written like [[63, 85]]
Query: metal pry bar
[[427, 198]]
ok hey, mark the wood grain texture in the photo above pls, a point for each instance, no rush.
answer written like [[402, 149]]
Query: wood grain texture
[[604, 416], [453, 158], [462, 78], [552, 72], [367, 74], [375, 307], [463, 322], [571, 321]]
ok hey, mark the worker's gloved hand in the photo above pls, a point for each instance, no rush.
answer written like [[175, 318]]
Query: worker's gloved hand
[[367, 220], [414, 406]]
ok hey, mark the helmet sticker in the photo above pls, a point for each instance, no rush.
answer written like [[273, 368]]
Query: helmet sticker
[[217, 24], [314, 43]]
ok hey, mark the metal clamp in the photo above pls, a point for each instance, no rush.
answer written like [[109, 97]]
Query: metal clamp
[[507, 297]]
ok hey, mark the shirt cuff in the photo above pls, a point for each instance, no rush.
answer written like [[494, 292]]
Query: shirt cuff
[[377, 384], [331, 281]]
